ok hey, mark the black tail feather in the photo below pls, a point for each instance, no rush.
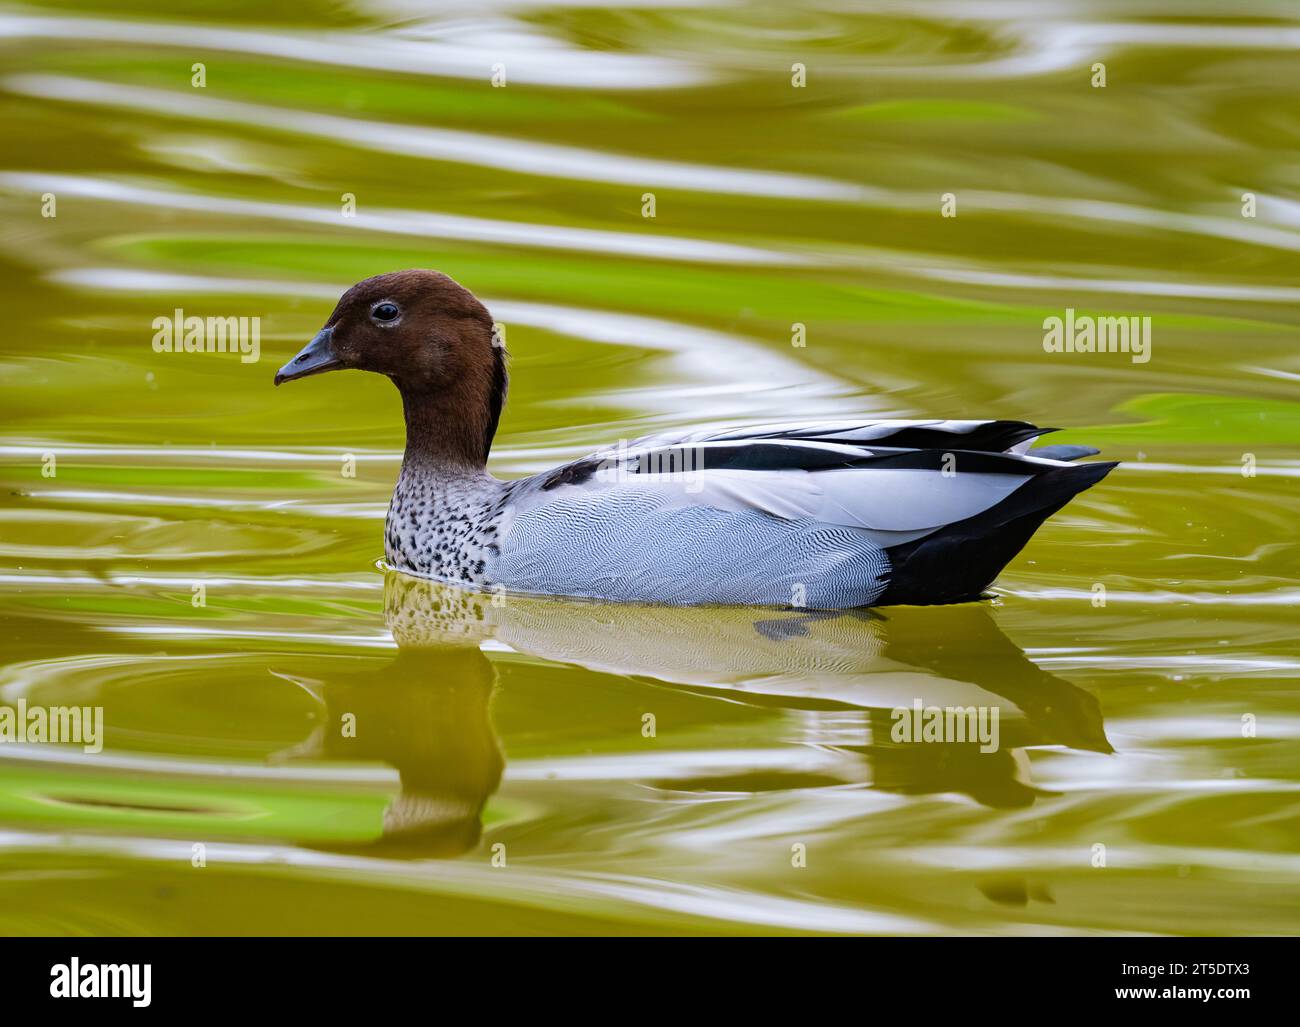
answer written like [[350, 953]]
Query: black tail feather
[[956, 563]]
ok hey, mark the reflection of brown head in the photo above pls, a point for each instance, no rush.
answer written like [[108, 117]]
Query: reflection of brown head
[[996, 779], [426, 713]]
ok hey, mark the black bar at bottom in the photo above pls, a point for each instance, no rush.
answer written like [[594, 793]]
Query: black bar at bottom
[[376, 976]]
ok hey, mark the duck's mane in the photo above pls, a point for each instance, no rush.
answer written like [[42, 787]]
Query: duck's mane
[[496, 396]]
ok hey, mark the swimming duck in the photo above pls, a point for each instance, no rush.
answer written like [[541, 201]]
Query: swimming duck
[[821, 515]]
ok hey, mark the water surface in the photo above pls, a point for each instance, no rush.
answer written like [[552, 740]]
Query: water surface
[[188, 549]]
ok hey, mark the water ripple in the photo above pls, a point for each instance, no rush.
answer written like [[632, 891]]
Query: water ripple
[[476, 148], [529, 56], [424, 224]]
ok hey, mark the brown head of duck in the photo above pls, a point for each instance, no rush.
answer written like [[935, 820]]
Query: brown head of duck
[[436, 342]]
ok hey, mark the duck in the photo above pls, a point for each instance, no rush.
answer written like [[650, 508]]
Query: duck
[[819, 515]]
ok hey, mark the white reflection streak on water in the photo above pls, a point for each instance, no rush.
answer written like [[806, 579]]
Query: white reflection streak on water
[[1040, 39], [529, 56], [1202, 664], [1173, 730], [363, 511], [1276, 597], [326, 584], [379, 639], [545, 889], [591, 165], [423, 224], [461, 147], [329, 585], [1034, 43], [1199, 289], [975, 858], [659, 247], [678, 764]]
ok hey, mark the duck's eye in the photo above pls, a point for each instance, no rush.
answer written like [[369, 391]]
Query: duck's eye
[[386, 312]]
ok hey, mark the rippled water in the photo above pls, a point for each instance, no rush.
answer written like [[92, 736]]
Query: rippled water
[[182, 545]]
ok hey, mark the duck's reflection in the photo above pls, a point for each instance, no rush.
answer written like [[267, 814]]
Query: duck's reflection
[[427, 712]]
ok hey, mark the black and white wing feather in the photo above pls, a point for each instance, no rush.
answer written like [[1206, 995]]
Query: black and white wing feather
[[910, 491]]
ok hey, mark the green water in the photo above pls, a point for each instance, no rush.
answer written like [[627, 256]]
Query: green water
[[183, 546]]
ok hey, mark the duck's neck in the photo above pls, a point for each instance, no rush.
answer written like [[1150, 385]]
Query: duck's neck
[[444, 439], [450, 422], [440, 521]]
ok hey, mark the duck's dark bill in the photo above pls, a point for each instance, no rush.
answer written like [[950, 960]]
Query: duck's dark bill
[[316, 357]]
